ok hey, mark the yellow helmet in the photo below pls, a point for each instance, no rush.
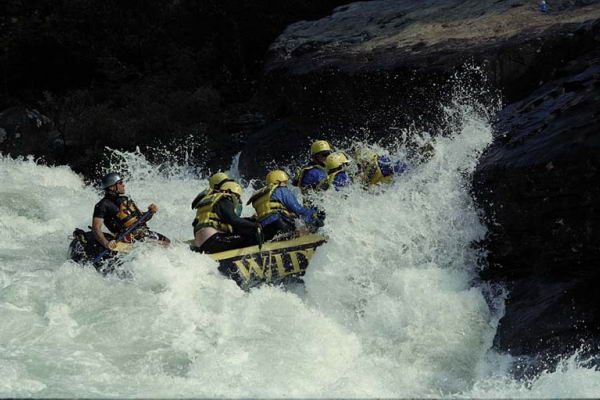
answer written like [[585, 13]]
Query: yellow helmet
[[335, 160], [232, 187], [218, 179], [319, 146], [365, 155], [274, 177]]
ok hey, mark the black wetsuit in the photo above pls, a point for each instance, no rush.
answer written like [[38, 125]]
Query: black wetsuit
[[244, 231], [282, 227], [108, 208]]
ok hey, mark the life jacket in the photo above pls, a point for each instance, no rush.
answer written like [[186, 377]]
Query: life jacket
[[300, 176], [200, 196], [206, 216], [328, 182], [128, 213], [265, 206], [206, 192], [373, 175]]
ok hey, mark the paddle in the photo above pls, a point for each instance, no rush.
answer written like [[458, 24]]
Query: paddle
[[143, 218]]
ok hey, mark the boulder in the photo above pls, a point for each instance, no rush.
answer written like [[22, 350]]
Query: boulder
[[25, 131], [378, 66], [372, 65], [538, 184]]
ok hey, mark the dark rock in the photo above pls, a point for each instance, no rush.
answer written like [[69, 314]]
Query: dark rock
[[538, 183], [147, 75], [26, 131], [436, 35], [373, 65], [384, 64], [282, 141]]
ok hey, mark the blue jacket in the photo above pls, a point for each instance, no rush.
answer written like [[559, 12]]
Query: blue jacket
[[286, 197], [341, 180], [387, 168], [312, 178]]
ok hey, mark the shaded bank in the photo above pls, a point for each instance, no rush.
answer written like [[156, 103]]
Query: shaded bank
[[136, 74]]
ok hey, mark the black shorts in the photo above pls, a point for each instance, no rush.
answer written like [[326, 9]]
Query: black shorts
[[224, 241], [281, 226]]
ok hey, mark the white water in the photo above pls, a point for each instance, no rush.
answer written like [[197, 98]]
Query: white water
[[392, 306]]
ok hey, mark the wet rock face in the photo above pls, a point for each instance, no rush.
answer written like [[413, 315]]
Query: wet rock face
[[372, 65], [539, 185], [380, 65], [27, 132]]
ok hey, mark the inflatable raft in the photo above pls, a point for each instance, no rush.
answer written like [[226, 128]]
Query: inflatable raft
[[281, 262], [275, 263]]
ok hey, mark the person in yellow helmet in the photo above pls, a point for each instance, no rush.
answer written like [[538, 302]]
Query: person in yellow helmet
[[218, 226], [375, 169], [214, 183], [311, 175], [277, 207], [337, 176]]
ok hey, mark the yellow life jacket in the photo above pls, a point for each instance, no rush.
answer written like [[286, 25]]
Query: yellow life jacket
[[372, 175], [300, 175], [206, 215], [200, 196], [264, 206], [128, 213]]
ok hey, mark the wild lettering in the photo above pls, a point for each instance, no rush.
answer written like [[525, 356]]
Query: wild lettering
[[272, 266]]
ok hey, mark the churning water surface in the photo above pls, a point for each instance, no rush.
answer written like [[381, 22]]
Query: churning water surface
[[392, 306]]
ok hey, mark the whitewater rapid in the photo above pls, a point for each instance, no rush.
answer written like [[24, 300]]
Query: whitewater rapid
[[392, 306]]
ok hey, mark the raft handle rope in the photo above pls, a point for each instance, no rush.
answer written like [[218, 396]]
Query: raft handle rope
[[142, 219]]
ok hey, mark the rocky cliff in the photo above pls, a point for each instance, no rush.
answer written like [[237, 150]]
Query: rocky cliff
[[383, 64]]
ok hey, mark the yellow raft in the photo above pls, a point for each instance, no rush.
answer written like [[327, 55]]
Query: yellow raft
[[275, 263]]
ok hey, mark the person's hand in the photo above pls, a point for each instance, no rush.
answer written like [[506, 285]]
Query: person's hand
[[153, 208], [320, 214], [111, 244]]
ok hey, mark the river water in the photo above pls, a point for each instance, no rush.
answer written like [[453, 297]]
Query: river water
[[392, 306]]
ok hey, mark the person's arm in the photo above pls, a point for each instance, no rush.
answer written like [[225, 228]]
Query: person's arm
[[287, 198], [388, 168], [97, 223], [400, 167], [312, 178], [227, 213], [341, 180], [199, 198], [153, 208]]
